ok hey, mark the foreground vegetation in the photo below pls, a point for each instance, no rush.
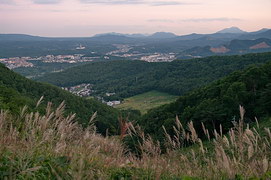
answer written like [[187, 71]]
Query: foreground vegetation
[[146, 101], [52, 146]]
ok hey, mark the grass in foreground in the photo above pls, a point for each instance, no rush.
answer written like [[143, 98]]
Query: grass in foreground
[[52, 146], [146, 101]]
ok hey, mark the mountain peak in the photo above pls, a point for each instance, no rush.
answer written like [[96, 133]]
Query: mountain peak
[[261, 31], [162, 35], [233, 30]]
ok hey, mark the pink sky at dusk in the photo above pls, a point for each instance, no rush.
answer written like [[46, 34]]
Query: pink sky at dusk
[[88, 17]]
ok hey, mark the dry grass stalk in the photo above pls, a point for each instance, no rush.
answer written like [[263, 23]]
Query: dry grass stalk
[[242, 151], [124, 126]]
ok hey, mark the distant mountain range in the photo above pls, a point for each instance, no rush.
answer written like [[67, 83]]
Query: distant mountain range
[[185, 46], [227, 32], [20, 37], [235, 46], [169, 42], [158, 35]]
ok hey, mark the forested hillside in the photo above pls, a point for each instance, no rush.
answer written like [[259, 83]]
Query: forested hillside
[[234, 47], [218, 103], [128, 78], [17, 91]]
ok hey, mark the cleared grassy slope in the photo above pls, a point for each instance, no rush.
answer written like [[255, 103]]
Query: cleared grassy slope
[[146, 101]]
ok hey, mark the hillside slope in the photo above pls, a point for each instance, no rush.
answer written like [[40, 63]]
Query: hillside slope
[[233, 47], [17, 91], [128, 78], [218, 103]]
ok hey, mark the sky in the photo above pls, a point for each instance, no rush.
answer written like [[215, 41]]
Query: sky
[[84, 18]]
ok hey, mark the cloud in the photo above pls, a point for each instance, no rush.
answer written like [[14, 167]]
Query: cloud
[[223, 19], [160, 20], [7, 2], [167, 3], [196, 20], [46, 1], [133, 2], [111, 2]]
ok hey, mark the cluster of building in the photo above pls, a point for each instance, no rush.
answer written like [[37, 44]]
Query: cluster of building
[[110, 94], [16, 62], [82, 90], [159, 57], [80, 47], [113, 103], [76, 58], [109, 103], [125, 52], [121, 49], [85, 90]]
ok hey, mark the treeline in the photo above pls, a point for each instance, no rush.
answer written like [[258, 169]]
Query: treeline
[[41, 68], [217, 104], [128, 78], [17, 91], [17, 48]]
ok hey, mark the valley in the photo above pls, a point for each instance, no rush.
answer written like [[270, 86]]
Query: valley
[[129, 78]]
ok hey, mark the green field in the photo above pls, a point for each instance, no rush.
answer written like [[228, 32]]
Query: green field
[[146, 101]]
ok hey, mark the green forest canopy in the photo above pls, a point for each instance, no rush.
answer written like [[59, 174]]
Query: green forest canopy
[[128, 78], [217, 103]]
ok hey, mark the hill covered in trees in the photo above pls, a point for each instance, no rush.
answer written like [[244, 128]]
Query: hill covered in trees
[[17, 91], [234, 47], [128, 78], [217, 103]]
